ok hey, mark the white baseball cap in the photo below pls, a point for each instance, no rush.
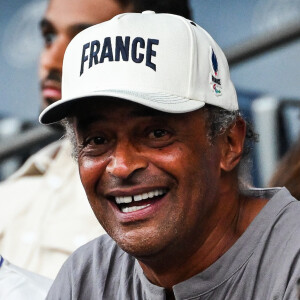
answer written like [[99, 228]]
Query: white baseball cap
[[162, 61]]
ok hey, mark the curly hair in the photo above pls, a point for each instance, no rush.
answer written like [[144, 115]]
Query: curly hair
[[220, 119]]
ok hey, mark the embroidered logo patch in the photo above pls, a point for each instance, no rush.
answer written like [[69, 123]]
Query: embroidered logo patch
[[215, 80]]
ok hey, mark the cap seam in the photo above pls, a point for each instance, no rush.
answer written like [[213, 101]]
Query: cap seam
[[192, 52]]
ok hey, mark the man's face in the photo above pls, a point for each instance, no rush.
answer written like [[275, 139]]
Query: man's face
[[62, 21], [150, 177]]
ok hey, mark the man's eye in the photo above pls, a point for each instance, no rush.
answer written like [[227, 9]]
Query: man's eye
[[158, 133], [49, 38], [97, 141]]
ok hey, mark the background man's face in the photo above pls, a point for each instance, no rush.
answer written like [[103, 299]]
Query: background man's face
[[62, 21], [127, 150]]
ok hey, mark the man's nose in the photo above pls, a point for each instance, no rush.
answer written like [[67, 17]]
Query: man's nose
[[125, 160]]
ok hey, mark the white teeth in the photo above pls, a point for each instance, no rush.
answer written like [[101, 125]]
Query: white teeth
[[151, 194], [137, 198], [127, 199], [144, 196], [133, 208], [148, 195]]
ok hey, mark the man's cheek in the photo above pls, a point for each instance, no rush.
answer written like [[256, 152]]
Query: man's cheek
[[88, 174]]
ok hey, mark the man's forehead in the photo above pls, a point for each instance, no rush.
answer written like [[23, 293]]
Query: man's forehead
[[91, 12]]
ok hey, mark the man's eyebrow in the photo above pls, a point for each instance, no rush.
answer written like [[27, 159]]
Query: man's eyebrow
[[73, 28], [88, 121], [76, 28], [45, 23]]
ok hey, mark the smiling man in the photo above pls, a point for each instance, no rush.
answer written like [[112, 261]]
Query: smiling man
[[158, 151]]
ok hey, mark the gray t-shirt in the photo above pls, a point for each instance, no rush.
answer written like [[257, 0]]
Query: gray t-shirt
[[263, 264]]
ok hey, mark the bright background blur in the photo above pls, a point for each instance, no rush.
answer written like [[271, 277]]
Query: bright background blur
[[274, 74]]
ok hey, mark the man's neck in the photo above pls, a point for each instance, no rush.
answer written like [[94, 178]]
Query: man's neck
[[178, 263]]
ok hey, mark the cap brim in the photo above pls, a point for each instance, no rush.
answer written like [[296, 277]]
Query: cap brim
[[159, 101]]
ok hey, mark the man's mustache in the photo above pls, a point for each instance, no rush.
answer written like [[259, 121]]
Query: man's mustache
[[138, 178], [53, 76]]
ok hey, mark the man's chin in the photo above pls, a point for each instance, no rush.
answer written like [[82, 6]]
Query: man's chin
[[139, 243], [46, 102]]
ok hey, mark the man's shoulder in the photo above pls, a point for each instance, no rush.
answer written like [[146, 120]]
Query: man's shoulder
[[102, 245], [102, 251], [282, 207], [288, 206], [93, 268], [279, 222], [288, 215]]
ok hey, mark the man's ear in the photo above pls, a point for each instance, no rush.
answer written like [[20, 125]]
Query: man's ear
[[233, 143]]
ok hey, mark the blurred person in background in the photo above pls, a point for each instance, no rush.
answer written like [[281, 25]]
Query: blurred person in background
[[287, 172], [47, 215], [20, 284]]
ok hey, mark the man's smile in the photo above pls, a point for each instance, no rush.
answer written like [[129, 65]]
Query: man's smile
[[128, 202], [136, 202], [51, 90]]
